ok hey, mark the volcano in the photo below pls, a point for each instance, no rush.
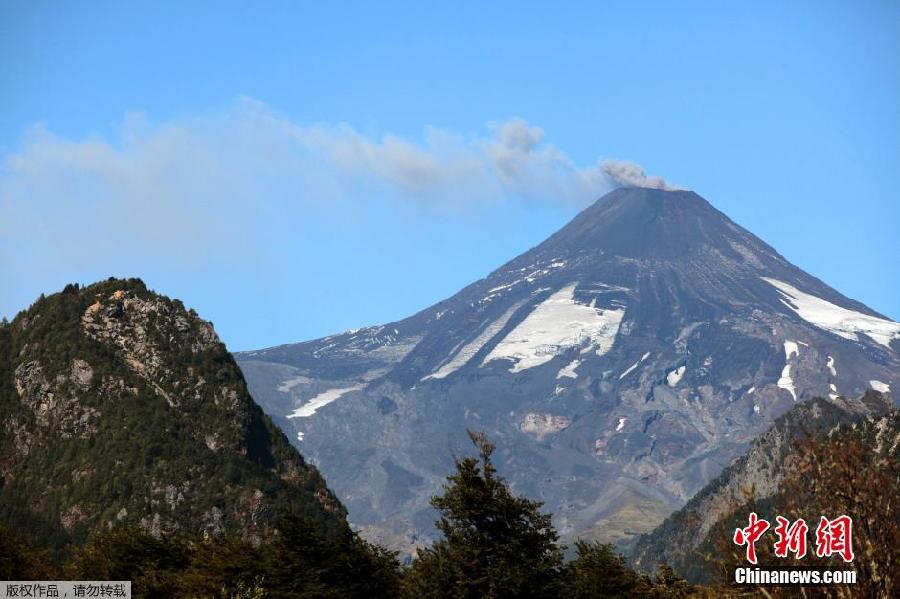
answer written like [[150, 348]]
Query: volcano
[[619, 366]]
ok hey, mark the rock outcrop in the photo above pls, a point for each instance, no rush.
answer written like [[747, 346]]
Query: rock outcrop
[[122, 407]]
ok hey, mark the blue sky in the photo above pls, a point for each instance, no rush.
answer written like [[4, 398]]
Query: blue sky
[[292, 170]]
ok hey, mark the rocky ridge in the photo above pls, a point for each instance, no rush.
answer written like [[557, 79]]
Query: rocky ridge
[[122, 407]]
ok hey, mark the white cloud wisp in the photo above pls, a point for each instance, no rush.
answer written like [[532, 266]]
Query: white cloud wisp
[[193, 190]]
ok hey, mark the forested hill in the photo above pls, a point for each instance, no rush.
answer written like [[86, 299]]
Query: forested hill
[[823, 457], [121, 407]]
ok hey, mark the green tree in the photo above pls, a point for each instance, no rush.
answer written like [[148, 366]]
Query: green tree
[[303, 562], [222, 567], [494, 544], [125, 553], [598, 571]]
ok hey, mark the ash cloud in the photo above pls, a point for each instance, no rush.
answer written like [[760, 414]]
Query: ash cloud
[[178, 192], [253, 149], [629, 174]]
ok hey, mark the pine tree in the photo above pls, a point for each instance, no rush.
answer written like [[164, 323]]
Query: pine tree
[[598, 571], [222, 567], [302, 562], [123, 553], [495, 544]]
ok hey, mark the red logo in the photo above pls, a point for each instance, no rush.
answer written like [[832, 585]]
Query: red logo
[[791, 539], [835, 536], [748, 536], [832, 537]]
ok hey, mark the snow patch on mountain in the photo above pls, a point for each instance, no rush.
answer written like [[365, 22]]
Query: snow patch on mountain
[[569, 370], [674, 377], [840, 321], [557, 324], [830, 365], [633, 366], [468, 351], [621, 424], [321, 400], [791, 349], [628, 370], [880, 387], [786, 382]]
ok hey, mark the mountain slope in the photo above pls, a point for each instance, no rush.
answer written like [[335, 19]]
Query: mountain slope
[[120, 406], [757, 474], [619, 366]]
